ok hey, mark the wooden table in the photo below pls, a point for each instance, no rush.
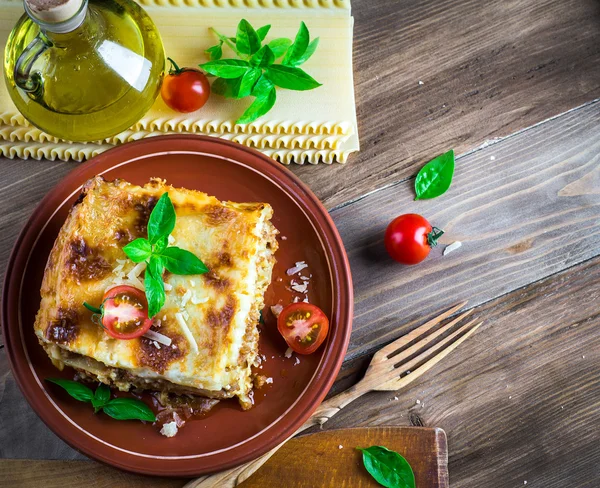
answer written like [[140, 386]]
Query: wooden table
[[513, 86]]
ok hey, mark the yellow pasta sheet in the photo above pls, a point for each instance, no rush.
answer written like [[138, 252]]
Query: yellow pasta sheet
[[310, 126]]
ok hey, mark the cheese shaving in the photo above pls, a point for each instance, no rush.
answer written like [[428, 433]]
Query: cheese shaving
[[168, 287], [186, 331], [452, 247], [136, 271], [186, 298], [197, 300], [300, 265], [158, 337]]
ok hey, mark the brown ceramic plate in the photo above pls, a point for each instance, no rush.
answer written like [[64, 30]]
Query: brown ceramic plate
[[227, 435]]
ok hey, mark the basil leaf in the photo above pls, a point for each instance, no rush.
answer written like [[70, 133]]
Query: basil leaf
[[298, 48], [161, 244], [388, 468], [155, 288], [229, 88], [310, 50], [101, 397], [162, 219], [182, 262], [129, 409], [248, 82], [279, 46], [215, 52], [76, 390], [138, 250], [263, 57], [246, 39], [226, 68], [264, 91], [291, 78], [263, 31], [435, 177]]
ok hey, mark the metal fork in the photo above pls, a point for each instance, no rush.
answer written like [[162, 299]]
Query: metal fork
[[390, 370]]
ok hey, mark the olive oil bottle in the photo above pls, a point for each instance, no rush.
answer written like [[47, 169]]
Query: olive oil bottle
[[84, 70]]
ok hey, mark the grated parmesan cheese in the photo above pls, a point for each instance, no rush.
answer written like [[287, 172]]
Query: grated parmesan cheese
[[300, 265], [186, 298], [186, 331], [288, 352], [300, 287], [171, 240], [169, 429], [168, 287], [196, 300], [452, 247], [158, 337]]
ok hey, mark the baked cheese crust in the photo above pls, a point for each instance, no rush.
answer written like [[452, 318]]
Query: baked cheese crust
[[211, 319]]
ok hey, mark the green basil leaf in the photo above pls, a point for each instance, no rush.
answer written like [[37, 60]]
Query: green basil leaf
[[215, 52], [435, 177], [279, 46], [264, 91], [138, 250], [291, 78], [246, 39], [388, 468], [155, 288], [248, 82], [226, 68], [162, 219], [101, 397], [310, 50], [298, 48], [76, 390], [228, 88], [263, 31], [129, 409], [182, 262], [161, 244], [263, 57], [263, 87]]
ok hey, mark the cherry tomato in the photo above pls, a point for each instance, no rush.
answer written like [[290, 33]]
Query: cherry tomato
[[303, 326], [409, 238], [125, 312], [185, 89]]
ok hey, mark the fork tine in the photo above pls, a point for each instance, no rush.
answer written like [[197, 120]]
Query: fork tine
[[383, 353], [397, 383], [433, 349]]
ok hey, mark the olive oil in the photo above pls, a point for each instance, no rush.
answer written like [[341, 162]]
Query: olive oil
[[92, 82]]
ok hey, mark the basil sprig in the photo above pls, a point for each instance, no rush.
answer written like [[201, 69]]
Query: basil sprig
[[255, 72], [158, 255], [387, 467], [117, 408], [435, 177]]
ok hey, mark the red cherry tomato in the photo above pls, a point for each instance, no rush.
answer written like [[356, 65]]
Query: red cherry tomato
[[409, 238], [185, 89], [125, 312], [304, 327]]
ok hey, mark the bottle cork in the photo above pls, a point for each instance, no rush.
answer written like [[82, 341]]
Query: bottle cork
[[53, 11]]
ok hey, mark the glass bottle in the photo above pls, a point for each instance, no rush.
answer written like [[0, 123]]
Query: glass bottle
[[84, 70]]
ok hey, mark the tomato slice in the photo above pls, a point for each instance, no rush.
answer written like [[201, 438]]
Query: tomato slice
[[125, 312], [304, 327]]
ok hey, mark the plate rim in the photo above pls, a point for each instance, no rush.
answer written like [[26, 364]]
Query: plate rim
[[342, 290]]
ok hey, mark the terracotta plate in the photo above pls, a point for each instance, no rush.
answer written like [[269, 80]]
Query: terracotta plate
[[227, 435]]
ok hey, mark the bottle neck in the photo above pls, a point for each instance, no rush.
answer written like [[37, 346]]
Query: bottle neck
[[55, 24]]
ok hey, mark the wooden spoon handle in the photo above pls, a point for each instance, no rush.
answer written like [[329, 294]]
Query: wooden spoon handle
[[234, 476]]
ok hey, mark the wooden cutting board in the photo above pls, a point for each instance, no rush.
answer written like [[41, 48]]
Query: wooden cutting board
[[309, 461]]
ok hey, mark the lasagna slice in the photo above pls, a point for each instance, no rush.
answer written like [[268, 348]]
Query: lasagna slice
[[210, 320]]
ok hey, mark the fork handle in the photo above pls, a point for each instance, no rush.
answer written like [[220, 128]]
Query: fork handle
[[234, 476]]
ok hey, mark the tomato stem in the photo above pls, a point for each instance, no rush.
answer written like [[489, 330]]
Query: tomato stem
[[92, 309], [175, 69], [433, 236]]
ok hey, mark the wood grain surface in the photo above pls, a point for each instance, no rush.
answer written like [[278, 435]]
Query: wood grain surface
[[520, 400], [488, 70], [302, 461]]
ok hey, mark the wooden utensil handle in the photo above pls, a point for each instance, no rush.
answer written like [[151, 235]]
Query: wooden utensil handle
[[234, 476]]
